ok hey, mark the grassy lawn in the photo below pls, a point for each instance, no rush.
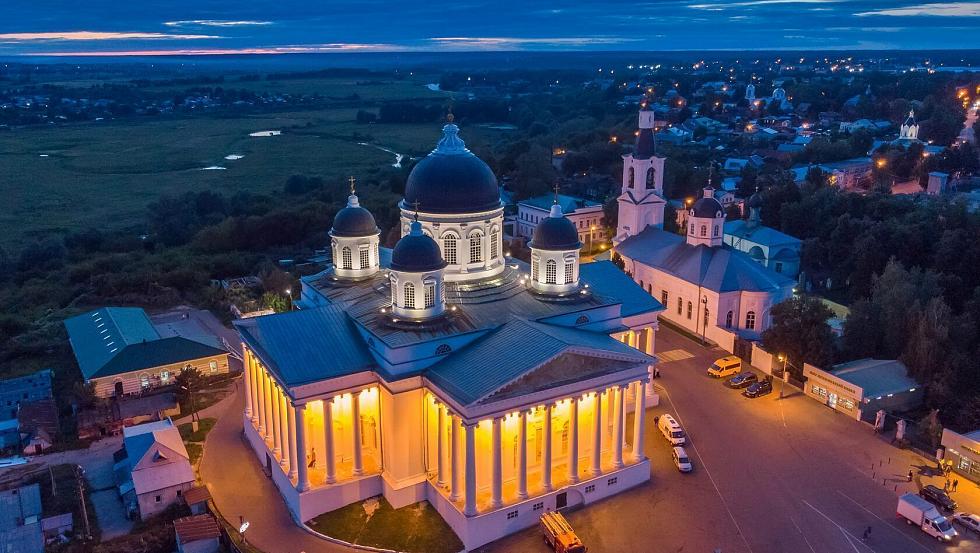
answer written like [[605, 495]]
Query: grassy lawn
[[204, 426], [416, 528], [194, 451]]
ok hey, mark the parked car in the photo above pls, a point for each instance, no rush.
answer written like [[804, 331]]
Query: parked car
[[726, 366], [742, 380], [672, 431], [938, 497], [758, 389], [681, 460], [968, 521]]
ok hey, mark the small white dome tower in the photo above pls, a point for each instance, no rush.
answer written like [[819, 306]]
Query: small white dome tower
[[354, 240], [555, 254]]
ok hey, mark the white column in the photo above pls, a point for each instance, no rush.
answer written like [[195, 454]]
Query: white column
[[618, 425], [276, 430], [247, 377], [440, 445], [303, 483], [497, 484], [522, 459], [469, 508], [294, 460], [573, 441], [638, 420], [331, 462], [267, 399], [356, 423], [453, 458], [546, 468], [649, 348], [597, 435], [260, 399], [256, 391], [284, 436]]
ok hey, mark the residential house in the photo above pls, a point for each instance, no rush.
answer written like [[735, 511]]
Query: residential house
[[197, 534], [587, 216], [20, 520], [154, 470]]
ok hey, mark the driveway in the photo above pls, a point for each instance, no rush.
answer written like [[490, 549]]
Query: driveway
[[771, 476]]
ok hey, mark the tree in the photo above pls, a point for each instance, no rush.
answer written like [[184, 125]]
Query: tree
[[800, 332]]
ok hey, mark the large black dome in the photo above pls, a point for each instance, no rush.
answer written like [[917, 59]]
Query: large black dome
[[354, 221], [451, 179], [555, 233], [416, 253]]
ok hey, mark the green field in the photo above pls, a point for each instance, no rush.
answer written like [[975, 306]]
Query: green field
[[59, 179]]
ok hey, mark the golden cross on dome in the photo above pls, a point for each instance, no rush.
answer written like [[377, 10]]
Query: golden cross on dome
[[351, 180]]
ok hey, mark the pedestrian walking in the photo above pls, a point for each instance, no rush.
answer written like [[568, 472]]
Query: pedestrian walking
[[867, 534], [910, 475], [956, 482], [312, 458]]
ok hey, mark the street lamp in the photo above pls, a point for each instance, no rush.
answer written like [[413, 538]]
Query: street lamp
[[289, 294], [782, 380]]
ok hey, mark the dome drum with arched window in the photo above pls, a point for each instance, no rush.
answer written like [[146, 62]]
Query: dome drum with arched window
[[354, 240], [555, 255], [416, 277], [706, 221], [455, 197]]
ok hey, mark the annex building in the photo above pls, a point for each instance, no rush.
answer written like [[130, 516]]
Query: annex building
[[707, 288], [449, 372]]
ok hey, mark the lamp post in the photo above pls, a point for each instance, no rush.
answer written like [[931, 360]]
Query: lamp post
[[289, 294], [782, 380], [591, 230], [704, 319]]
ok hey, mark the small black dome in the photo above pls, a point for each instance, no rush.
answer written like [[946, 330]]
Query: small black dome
[[645, 147], [354, 221], [555, 233], [452, 180], [707, 206], [416, 253]]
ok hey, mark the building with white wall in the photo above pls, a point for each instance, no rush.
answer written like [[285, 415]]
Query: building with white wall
[[492, 389], [767, 246], [706, 287], [587, 216]]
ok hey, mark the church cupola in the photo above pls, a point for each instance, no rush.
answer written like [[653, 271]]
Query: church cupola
[[754, 204], [354, 240], [706, 221], [641, 202], [417, 276], [910, 129], [555, 254]]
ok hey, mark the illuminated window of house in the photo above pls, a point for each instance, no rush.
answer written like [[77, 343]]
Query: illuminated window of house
[[551, 272], [476, 247], [365, 258], [409, 295], [449, 248], [346, 261], [750, 320]]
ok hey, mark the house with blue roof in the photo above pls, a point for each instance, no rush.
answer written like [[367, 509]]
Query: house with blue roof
[[707, 287], [153, 469], [444, 370], [120, 352], [767, 246]]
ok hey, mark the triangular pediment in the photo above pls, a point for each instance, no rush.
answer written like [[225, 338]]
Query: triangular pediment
[[565, 368]]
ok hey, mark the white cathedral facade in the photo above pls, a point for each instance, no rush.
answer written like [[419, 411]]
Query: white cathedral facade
[[706, 288], [449, 372]]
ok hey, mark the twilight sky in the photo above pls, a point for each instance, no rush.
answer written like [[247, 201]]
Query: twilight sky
[[141, 27]]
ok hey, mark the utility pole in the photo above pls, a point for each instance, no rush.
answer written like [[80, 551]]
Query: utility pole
[[81, 497]]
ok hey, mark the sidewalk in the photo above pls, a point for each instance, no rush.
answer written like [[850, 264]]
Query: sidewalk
[[240, 488]]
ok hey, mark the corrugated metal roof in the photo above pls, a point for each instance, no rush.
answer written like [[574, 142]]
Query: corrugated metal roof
[[760, 235], [197, 527], [513, 350], [17, 504], [607, 280], [877, 377], [307, 345], [146, 355], [568, 203], [720, 269]]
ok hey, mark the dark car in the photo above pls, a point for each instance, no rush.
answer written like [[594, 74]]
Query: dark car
[[742, 380], [760, 388], [938, 497]]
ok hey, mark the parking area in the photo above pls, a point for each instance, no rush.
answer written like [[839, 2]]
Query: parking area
[[770, 475]]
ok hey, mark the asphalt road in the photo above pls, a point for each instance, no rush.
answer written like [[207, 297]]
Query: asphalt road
[[771, 476]]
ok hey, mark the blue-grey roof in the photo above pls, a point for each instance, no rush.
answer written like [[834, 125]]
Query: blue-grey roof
[[720, 269], [517, 347], [760, 234], [607, 280], [876, 377], [307, 345], [116, 340], [568, 203], [16, 505]]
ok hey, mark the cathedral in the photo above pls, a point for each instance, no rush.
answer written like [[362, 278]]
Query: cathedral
[[443, 370], [707, 288]]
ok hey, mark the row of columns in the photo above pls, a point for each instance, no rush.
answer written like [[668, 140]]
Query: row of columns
[[469, 443], [282, 425]]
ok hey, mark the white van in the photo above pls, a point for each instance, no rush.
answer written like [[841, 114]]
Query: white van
[[671, 430]]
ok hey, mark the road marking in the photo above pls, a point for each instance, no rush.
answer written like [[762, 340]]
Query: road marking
[[841, 528], [706, 471], [674, 355], [887, 523], [849, 542], [802, 535]]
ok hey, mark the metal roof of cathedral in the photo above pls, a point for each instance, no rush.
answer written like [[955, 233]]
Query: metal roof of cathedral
[[719, 269], [759, 234]]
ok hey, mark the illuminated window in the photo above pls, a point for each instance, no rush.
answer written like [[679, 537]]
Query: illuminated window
[[569, 270], [449, 248], [750, 320], [430, 295], [534, 269], [409, 295], [551, 272], [494, 238], [346, 261], [476, 247], [144, 380], [365, 258], [164, 376]]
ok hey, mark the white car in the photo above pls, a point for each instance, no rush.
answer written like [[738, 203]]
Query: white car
[[968, 521], [681, 460]]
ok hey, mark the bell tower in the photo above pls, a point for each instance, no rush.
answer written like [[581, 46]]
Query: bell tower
[[641, 201]]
